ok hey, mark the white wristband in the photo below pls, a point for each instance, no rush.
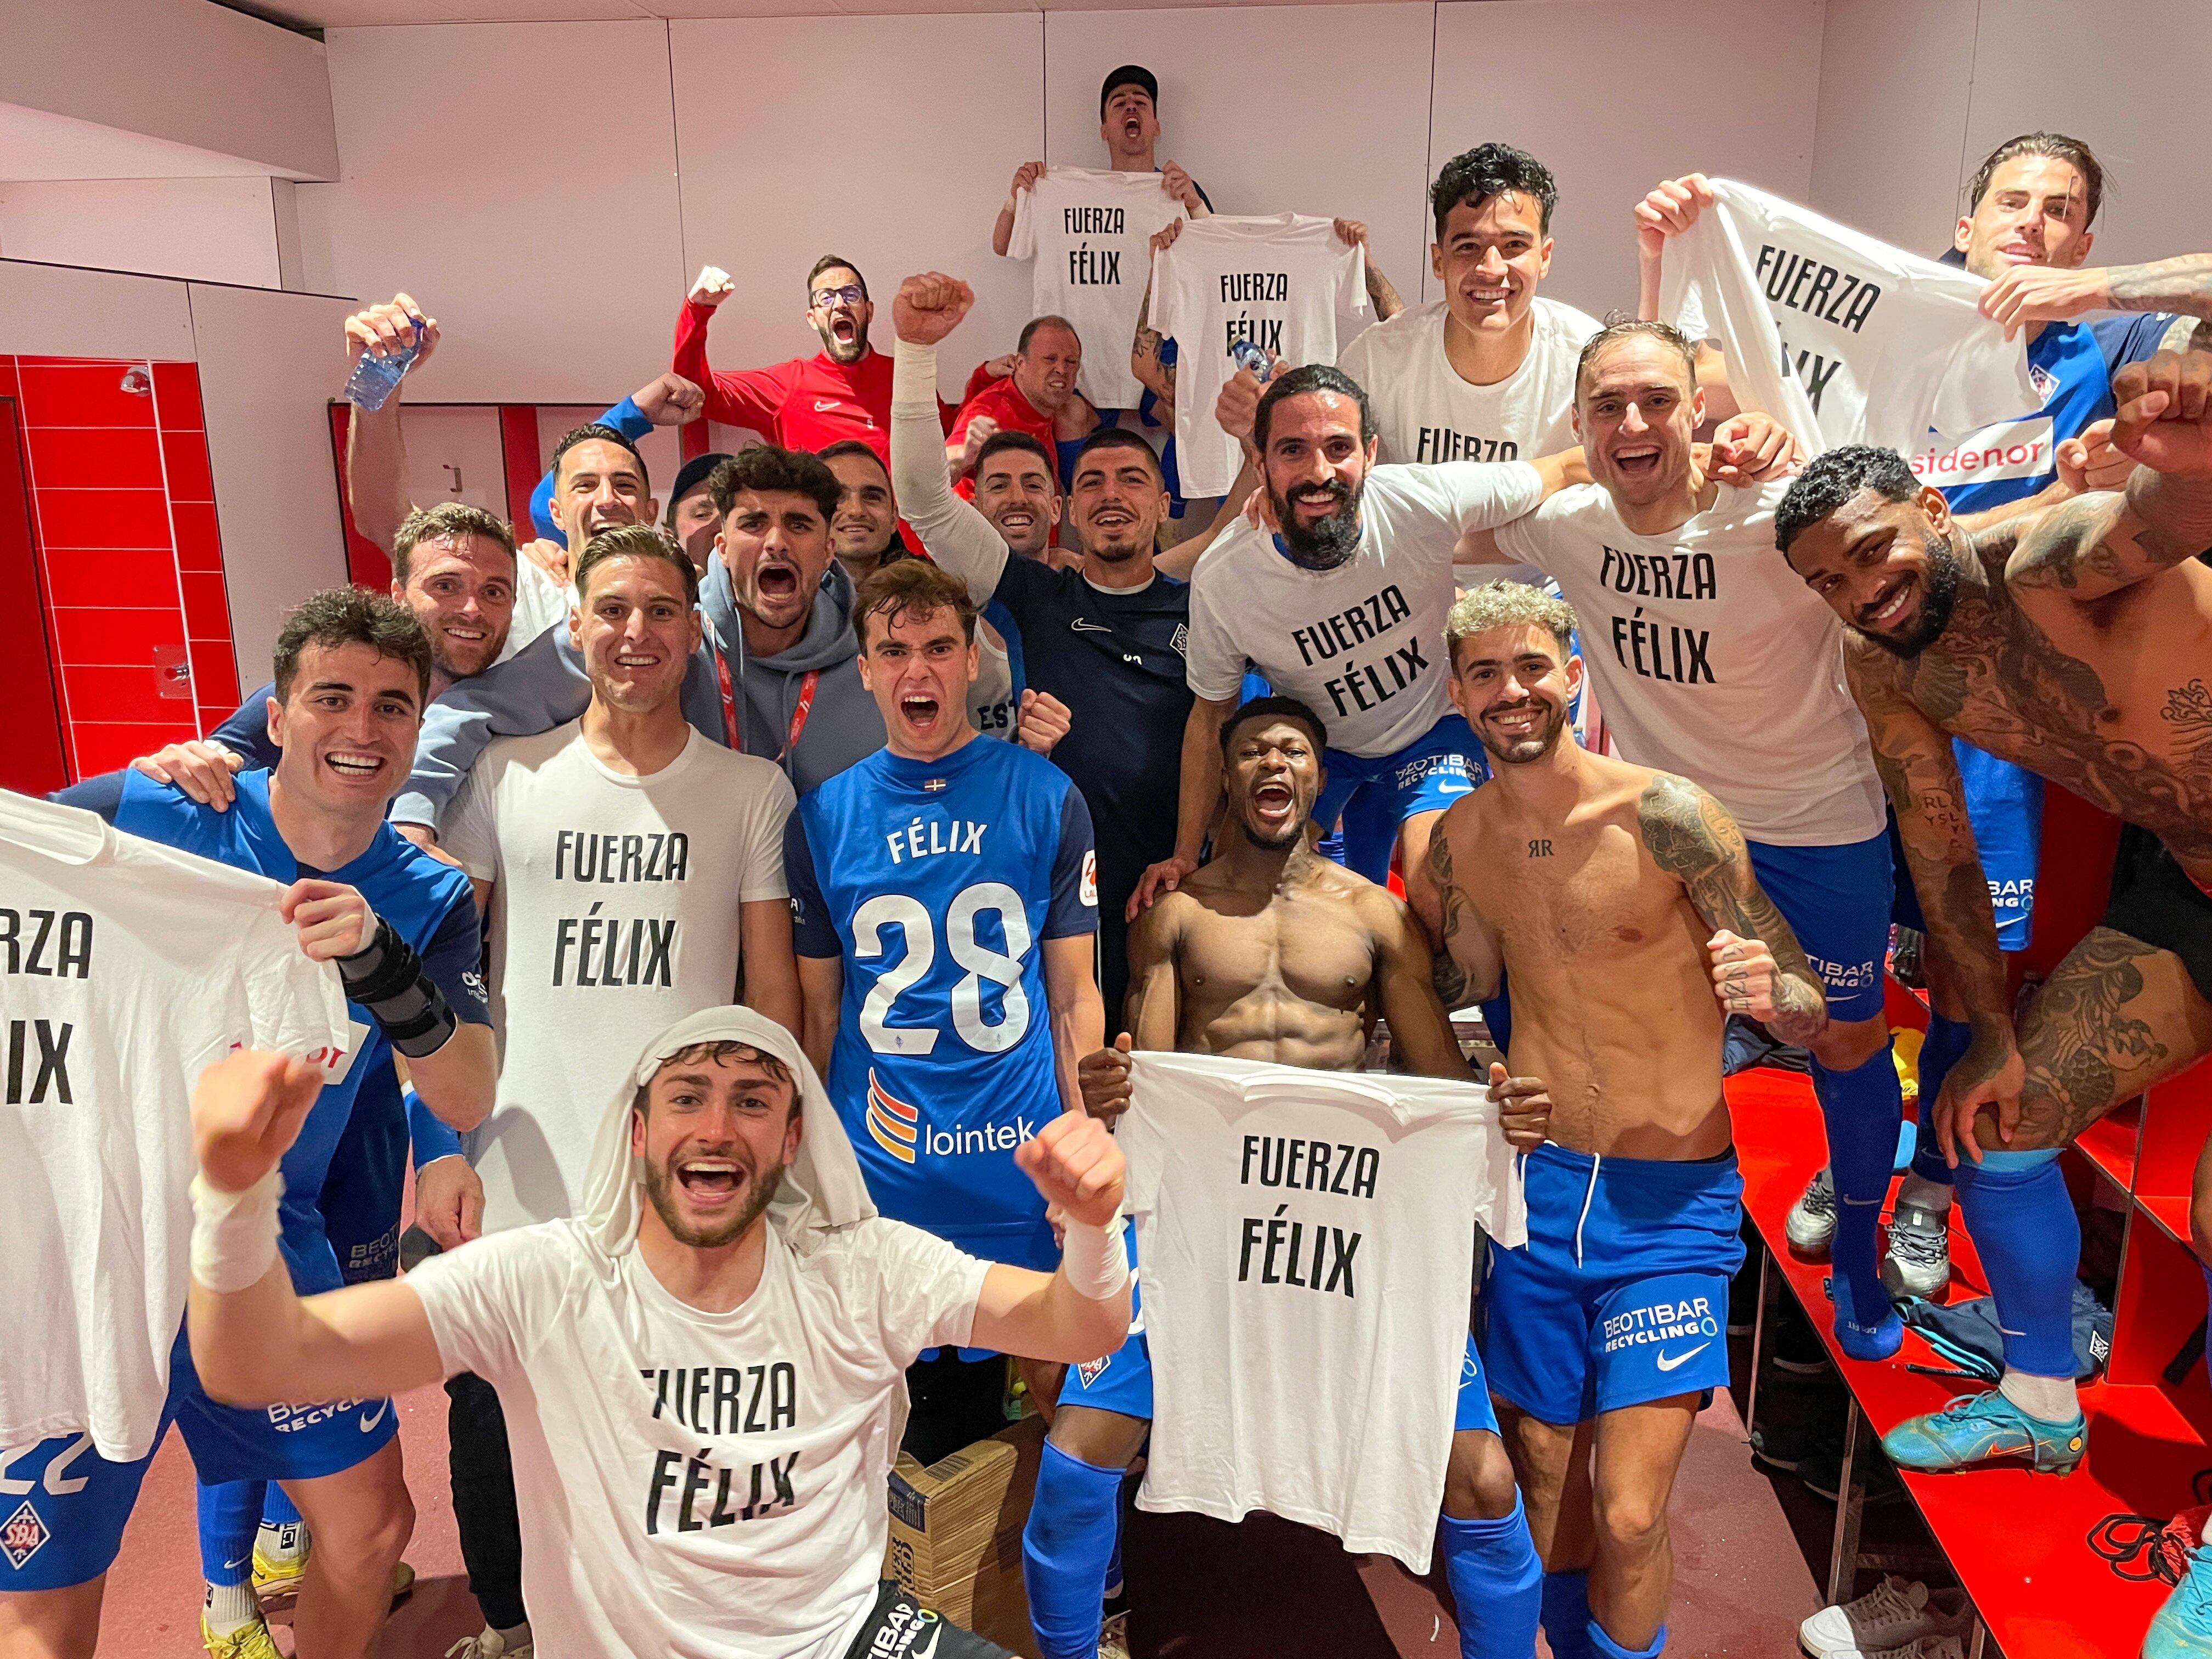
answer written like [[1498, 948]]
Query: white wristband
[[234, 1234], [1095, 1259]]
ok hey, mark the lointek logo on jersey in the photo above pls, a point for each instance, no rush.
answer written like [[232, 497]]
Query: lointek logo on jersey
[[2010, 449], [898, 1127]]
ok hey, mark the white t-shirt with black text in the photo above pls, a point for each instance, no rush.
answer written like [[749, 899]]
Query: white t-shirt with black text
[[696, 1484], [1712, 659], [1306, 1242], [1089, 232], [615, 912], [1424, 411], [128, 968], [1362, 644], [1843, 340], [1280, 282]]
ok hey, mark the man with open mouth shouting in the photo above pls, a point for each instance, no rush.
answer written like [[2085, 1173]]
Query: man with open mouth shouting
[[708, 1358], [1271, 952], [944, 894]]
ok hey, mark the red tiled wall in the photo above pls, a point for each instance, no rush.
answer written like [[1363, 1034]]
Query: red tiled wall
[[124, 505]]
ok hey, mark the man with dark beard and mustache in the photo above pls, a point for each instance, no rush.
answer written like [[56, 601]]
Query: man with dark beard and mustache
[[727, 1254], [1271, 952], [1338, 600], [2072, 641], [1591, 884]]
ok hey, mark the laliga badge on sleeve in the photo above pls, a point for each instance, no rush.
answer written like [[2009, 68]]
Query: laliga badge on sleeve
[[1088, 891]]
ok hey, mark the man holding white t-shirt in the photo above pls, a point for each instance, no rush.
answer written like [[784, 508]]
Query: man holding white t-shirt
[[633, 865], [1710, 667], [719, 1508]]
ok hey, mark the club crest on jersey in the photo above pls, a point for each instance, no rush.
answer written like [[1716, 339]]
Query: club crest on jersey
[[1091, 1369], [22, 1534]]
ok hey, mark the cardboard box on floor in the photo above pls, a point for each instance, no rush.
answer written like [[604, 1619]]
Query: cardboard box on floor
[[957, 1533]]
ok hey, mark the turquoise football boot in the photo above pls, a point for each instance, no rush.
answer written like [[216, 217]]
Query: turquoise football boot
[[1975, 1426], [2183, 1629]]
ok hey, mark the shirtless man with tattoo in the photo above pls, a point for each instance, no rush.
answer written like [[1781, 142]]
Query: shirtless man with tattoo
[[2074, 641], [1603, 890], [1271, 952]]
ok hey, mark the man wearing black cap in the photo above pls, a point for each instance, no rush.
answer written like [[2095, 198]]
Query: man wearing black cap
[[1129, 122]]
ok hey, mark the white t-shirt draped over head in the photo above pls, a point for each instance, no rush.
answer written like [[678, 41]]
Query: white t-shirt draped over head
[[1089, 232], [1714, 660], [1362, 644], [130, 967], [1280, 282], [616, 911], [694, 1484]]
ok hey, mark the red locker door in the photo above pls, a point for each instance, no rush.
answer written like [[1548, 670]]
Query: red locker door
[[31, 759]]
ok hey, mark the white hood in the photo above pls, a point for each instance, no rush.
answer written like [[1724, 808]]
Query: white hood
[[821, 1192]]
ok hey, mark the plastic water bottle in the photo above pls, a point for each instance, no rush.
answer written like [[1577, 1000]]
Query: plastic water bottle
[[374, 379], [1245, 355]]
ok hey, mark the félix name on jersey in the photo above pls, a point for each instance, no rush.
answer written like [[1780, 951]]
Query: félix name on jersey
[[1289, 1252], [720, 1400], [32, 945], [924, 838], [1363, 684], [1801, 282]]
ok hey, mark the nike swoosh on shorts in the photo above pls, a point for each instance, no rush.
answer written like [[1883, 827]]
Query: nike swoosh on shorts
[[367, 1425], [1682, 1359]]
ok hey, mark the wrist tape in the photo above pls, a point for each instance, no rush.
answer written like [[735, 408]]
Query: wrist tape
[[234, 1234], [1095, 1259], [387, 979]]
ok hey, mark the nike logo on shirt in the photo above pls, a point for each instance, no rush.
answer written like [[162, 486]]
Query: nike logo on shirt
[[1682, 1360], [821, 403], [1083, 625]]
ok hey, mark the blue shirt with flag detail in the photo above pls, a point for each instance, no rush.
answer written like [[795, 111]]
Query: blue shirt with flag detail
[[936, 883], [429, 904]]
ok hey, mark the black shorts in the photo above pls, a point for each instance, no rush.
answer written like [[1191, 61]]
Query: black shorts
[[899, 1627], [2154, 900]]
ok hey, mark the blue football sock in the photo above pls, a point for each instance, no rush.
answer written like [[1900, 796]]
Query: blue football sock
[[1862, 1109], [1946, 1041], [276, 1509], [229, 1515], [2023, 1224], [1066, 1545], [1566, 1614], [1497, 1583], [1605, 1647]]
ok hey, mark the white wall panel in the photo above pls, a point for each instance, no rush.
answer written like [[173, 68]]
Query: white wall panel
[[901, 168], [1302, 109], [215, 230], [541, 232], [51, 312], [268, 366], [2128, 78], [1613, 97], [1888, 151]]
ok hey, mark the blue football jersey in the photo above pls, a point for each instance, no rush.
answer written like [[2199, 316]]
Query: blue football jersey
[[428, 902], [937, 884]]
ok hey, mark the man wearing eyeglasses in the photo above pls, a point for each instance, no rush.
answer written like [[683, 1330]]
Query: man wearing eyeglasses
[[841, 395]]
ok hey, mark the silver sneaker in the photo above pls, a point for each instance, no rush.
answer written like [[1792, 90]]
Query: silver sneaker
[[1919, 1259], [1812, 1220]]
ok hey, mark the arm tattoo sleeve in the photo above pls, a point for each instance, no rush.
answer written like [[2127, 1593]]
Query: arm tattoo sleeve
[[2184, 285], [1450, 976], [1691, 837], [2094, 544]]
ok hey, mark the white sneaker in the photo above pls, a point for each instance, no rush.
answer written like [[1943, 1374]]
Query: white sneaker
[[1919, 1262], [490, 1644], [1812, 1220], [1927, 1647], [1894, 1615]]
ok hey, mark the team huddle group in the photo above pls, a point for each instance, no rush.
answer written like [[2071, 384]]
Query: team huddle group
[[752, 907]]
